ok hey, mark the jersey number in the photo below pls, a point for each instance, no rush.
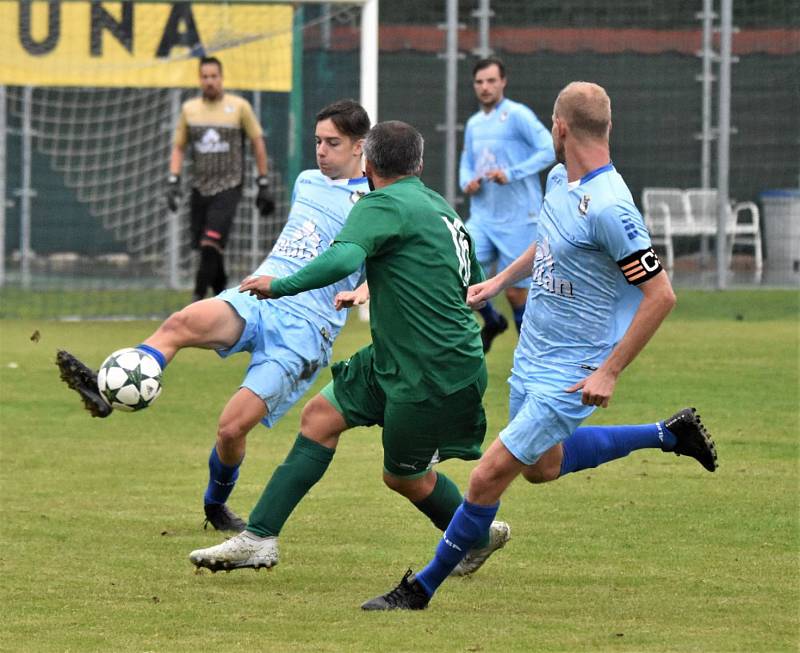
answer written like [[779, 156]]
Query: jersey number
[[461, 242]]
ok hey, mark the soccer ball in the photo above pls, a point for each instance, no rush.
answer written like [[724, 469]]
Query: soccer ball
[[129, 379]]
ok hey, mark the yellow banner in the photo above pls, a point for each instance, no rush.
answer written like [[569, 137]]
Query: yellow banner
[[54, 43]]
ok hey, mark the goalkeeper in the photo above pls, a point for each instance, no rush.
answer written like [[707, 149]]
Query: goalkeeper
[[213, 126], [289, 340]]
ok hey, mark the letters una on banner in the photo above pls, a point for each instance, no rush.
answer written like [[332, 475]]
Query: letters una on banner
[[128, 44]]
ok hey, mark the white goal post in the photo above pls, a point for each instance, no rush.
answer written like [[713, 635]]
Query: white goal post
[[368, 51]]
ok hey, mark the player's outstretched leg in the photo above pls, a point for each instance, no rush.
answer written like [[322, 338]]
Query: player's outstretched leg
[[82, 380], [408, 595], [239, 552], [592, 446], [499, 535], [693, 439]]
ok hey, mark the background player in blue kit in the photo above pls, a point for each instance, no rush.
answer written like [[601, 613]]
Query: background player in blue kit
[[290, 339], [598, 294], [505, 149]]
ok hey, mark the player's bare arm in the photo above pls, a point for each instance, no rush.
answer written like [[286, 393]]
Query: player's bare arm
[[176, 160], [480, 293], [260, 153], [656, 304], [350, 298]]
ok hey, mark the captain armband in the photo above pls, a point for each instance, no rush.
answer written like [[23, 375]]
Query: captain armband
[[640, 266]]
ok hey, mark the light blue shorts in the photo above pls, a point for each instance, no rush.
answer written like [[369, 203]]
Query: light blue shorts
[[286, 352], [501, 243], [540, 418]]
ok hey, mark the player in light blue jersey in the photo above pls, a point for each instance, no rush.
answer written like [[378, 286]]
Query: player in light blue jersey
[[598, 294], [505, 149], [290, 339]]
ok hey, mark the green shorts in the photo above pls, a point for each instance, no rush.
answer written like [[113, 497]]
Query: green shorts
[[416, 435]]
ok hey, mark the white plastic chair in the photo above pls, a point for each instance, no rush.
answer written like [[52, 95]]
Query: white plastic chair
[[666, 215], [703, 203]]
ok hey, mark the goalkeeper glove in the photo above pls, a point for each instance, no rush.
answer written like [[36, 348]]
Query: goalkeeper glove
[[264, 199], [173, 192]]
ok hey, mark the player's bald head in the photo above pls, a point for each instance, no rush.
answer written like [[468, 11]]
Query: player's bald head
[[586, 108]]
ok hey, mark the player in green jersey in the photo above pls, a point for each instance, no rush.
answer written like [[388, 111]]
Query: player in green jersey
[[423, 377]]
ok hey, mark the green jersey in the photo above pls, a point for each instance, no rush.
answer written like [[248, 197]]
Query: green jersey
[[420, 261]]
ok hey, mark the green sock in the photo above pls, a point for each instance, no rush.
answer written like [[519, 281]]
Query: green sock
[[441, 504], [294, 477]]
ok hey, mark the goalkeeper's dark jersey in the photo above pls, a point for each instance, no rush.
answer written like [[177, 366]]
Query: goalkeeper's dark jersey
[[215, 131], [420, 261]]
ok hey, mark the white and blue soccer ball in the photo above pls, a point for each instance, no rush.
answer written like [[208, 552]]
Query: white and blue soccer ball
[[129, 379]]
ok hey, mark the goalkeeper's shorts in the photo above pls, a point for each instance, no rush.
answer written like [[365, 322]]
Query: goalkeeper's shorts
[[286, 352], [212, 216]]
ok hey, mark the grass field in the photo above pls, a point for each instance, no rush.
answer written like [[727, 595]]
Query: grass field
[[650, 553]]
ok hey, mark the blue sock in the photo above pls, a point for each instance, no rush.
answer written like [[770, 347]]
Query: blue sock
[[221, 479], [518, 313], [154, 353], [490, 316], [590, 446], [468, 525]]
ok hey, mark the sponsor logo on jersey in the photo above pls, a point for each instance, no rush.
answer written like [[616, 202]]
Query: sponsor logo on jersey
[[303, 243], [212, 143], [583, 207], [504, 116], [229, 108], [640, 266], [357, 195], [544, 272], [485, 161]]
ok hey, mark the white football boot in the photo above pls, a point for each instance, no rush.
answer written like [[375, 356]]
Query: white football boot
[[499, 534], [243, 550]]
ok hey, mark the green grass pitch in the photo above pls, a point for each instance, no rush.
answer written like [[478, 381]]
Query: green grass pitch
[[650, 553]]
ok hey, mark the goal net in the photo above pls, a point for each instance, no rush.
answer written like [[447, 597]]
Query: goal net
[[90, 97]]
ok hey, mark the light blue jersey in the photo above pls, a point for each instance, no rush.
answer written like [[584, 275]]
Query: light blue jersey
[[591, 249], [290, 339], [320, 207], [590, 242], [510, 137]]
